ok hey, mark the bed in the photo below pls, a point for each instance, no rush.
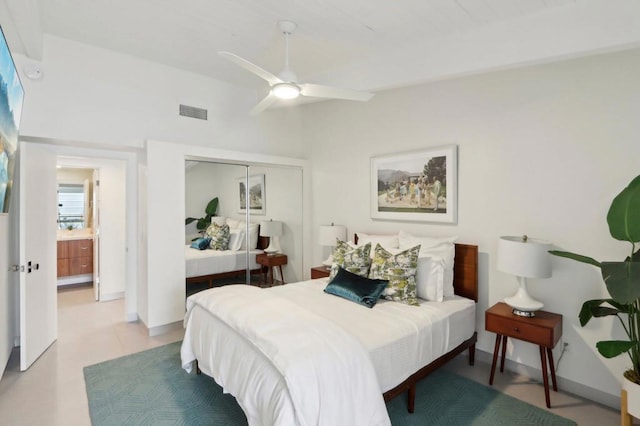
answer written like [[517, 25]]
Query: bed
[[209, 265], [389, 356]]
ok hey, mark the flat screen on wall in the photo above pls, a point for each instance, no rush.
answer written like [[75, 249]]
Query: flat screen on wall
[[11, 96]]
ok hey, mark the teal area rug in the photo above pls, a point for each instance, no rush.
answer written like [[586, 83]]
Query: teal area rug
[[150, 388]]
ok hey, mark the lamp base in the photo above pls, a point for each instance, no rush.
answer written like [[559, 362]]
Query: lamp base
[[273, 247], [523, 304]]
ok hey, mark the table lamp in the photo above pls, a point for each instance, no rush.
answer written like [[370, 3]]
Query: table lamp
[[273, 230], [525, 258], [327, 236]]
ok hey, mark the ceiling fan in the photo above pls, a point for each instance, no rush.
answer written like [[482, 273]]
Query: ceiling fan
[[285, 85]]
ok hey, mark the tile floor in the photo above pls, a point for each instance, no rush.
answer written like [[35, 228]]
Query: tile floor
[[52, 391]]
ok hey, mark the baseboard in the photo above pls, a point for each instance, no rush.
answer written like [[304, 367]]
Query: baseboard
[[75, 279], [132, 317], [161, 329], [566, 385], [111, 296]]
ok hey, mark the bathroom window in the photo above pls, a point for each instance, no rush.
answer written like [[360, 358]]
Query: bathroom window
[[71, 206]]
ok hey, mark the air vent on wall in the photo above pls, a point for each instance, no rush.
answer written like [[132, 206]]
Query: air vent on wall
[[193, 112]]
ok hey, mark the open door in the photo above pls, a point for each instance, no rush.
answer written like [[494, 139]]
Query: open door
[[37, 251]]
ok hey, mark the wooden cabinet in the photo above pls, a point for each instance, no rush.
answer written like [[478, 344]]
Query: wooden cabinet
[[75, 257], [544, 330], [269, 262]]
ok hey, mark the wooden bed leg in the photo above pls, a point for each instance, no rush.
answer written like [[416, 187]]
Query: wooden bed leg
[[198, 371], [472, 354], [411, 396]]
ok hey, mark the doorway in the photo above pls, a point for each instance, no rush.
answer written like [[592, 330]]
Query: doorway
[[103, 225], [77, 239]]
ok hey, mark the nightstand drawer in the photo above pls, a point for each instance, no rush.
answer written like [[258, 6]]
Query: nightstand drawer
[[522, 331]]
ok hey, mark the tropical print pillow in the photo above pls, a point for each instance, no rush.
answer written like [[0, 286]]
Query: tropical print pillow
[[355, 260], [400, 270], [219, 235]]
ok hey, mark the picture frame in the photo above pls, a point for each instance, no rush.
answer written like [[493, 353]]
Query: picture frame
[[257, 200], [11, 100], [417, 186]]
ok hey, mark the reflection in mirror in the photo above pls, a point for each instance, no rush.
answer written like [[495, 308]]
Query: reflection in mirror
[[275, 193]]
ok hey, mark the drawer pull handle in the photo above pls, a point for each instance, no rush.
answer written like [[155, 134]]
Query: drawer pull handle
[[516, 329], [84, 248]]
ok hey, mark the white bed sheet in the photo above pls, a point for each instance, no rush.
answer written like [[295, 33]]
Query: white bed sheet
[[400, 338], [208, 262], [285, 365]]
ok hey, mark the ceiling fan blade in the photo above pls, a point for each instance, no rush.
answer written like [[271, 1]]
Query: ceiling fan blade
[[251, 67], [263, 104], [319, 91]]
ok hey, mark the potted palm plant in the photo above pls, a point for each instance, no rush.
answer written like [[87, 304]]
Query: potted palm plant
[[202, 223], [622, 280]]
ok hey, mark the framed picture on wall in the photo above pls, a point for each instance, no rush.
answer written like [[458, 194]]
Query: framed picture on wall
[[419, 186], [256, 195], [11, 97]]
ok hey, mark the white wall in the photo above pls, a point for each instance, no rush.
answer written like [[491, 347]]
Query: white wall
[[542, 151], [98, 96]]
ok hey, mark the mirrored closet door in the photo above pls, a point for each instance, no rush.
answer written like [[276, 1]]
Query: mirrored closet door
[[261, 209]]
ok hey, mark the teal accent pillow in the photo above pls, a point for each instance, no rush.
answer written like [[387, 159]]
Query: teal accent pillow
[[201, 243], [400, 270], [356, 288]]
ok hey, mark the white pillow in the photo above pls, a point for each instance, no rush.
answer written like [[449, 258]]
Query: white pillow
[[388, 242], [430, 278], [440, 249], [236, 237], [253, 236], [233, 223], [219, 220]]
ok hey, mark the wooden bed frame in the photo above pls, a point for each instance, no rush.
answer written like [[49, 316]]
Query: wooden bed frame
[[465, 284], [263, 242]]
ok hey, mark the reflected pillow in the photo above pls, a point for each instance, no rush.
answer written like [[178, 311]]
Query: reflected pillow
[[233, 223], [219, 235], [356, 288], [400, 270], [220, 220], [355, 260], [236, 236], [201, 243], [253, 236]]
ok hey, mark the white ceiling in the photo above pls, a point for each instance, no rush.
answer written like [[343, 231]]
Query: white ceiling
[[335, 39]]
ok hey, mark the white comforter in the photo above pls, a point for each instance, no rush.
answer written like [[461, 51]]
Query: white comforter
[[325, 376]]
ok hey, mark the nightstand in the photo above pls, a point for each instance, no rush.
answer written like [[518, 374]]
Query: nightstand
[[320, 272], [272, 261], [544, 330]]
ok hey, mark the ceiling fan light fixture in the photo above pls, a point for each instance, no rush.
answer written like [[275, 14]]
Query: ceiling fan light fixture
[[285, 90]]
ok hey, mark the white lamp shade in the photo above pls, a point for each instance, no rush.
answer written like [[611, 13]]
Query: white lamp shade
[[328, 234], [271, 228], [529, 259]]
